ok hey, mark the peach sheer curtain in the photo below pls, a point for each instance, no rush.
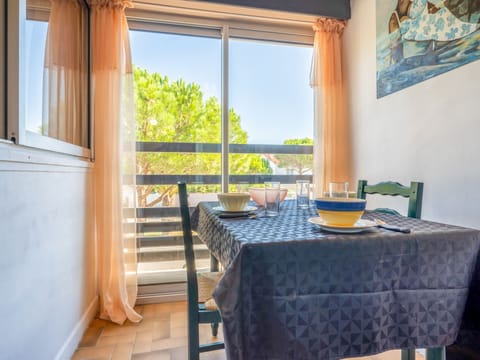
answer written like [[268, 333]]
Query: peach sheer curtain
[[112, 89], [331, 130], [65, 74]]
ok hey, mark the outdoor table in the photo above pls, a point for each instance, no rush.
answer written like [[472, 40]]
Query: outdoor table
[[293, 291]]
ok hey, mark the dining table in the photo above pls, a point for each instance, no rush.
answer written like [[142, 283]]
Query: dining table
[[292, 290]]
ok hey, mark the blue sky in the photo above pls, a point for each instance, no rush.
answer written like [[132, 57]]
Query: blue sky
[[35, 37], [269, 84]]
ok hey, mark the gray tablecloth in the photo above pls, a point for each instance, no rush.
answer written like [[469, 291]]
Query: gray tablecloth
[[293, 291]]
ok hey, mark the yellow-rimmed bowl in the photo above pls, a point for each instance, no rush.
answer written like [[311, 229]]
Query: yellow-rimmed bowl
[[340, 211]]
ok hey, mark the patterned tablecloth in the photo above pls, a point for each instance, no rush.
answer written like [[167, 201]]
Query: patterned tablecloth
[[293, 291]]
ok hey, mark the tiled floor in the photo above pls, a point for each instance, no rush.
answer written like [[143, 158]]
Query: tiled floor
[[161, 335]]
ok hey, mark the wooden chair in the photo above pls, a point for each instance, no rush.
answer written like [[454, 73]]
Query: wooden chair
[[201, 307], [414, 193]]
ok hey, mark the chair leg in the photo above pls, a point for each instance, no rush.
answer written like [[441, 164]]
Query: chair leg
[[408, 354], [436, 353], [214, 329], [193, 341], [213, 263]]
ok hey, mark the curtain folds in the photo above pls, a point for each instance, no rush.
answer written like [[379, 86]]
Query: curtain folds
[[65, 74], [114, 124], [332, 149]]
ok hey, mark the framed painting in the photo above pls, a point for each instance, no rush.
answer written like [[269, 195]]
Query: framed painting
[[420, 39]]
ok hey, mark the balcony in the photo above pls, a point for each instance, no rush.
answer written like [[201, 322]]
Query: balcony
[[159, 241]]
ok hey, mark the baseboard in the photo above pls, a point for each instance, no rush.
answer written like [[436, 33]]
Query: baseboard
[[160, 298], [70, 345], [161, 293]]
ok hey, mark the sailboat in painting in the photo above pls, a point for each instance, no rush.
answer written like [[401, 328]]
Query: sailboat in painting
[[424, 39]]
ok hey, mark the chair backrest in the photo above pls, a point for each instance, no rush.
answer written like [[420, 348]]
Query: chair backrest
[[192, 284], [414, 193]]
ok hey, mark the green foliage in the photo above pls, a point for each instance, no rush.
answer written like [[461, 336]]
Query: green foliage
[[175, 111], [301, 164]]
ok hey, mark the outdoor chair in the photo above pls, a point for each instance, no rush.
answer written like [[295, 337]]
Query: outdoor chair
[[201, 307]]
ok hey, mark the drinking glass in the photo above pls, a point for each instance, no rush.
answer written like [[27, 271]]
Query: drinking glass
[[272, 198], [338, 189], [303, 193]]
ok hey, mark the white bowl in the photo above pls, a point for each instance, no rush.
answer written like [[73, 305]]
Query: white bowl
[[233, 201], [258, 195]]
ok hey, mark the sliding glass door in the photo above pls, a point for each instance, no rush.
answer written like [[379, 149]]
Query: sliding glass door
[[178, 112]]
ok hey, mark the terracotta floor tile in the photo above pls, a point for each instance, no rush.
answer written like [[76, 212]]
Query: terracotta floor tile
[[154, 355], [143, 342], [117, 339], [178, 319], [180, 306], [90, 337], [164, 344], [97, 353], [126, 324], [147, 324], [205, 332], [119, 330], [214, 355], [181, 353], [161, 330], [153, 310], [122, 352], [98, 323], [178, 332]]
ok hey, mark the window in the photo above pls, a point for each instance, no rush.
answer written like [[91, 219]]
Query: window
[[35, 39], [47, 75], [221, 105]]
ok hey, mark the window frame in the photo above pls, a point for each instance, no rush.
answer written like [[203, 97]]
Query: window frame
[[15, 131]]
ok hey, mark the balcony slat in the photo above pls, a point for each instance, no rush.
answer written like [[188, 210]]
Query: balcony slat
[[168, 253], [153, 212], [158, 212], [152, 241], [216, 148], [215, 179], [164, 226], [270, 149]]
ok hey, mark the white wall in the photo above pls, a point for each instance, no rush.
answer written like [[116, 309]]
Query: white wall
[[429, 132], [47, 256]]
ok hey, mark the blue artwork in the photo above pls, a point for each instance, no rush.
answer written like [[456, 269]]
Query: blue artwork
[[420, 39]]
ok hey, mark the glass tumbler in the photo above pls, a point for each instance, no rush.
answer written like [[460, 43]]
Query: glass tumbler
[[272, 198], [303, 194], [338, 189]]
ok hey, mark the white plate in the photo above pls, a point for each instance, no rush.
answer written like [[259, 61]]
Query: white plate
[[359, 226], [247, 209]]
